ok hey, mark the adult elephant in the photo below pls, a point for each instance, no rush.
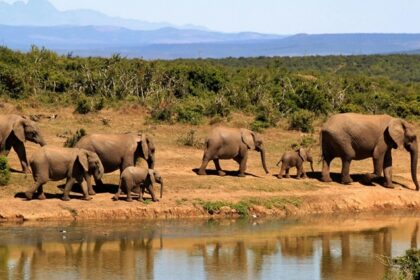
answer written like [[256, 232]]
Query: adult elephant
[[353, 136], [231, 143], [118, 151], [14, 131]]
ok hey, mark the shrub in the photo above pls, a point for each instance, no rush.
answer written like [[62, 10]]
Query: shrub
[[72, 140], [190, 139], [83, 106], [4, 171], [406, 267], [190, 112], [302, 120]]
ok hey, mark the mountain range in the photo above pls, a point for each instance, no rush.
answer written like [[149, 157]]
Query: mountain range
[[90, 33]]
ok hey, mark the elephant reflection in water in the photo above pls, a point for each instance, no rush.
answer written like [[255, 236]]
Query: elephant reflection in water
[[227, 261], [414, 236], [352, 265], [131, 257], [300, 247]]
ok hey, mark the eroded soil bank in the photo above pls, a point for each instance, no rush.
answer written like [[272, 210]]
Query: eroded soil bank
[[325, 200]]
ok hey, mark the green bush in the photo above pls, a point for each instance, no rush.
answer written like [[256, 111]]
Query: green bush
[[190, 140], [83, 106], [4, 171], [72, 140], [190, 112], [302, 120], [407, 266]]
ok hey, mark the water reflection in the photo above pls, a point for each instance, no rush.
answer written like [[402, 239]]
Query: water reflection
[[269, 249]]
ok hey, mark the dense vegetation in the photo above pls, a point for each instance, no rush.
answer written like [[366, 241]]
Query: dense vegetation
[[406, 267], [4, 171], [187, 91]]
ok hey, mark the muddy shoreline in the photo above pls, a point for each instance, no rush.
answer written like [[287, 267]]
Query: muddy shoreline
[[342, 200]]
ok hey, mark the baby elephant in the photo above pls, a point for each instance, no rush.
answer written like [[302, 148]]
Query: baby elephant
[[56, 163], [294, 159], [138, 177]]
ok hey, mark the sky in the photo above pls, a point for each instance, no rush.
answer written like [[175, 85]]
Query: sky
[[266, 16]]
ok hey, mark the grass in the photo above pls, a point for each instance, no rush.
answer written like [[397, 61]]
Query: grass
[[243, 206]]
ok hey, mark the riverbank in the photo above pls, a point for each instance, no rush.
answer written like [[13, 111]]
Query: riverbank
[[189, 195]]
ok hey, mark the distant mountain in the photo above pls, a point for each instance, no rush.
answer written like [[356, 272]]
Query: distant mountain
[[112, 38], [170, 43], [43, 13]]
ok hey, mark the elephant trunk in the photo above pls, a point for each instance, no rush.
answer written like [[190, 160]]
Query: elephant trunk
[[312, 167], [161, 189], [262, 151], [41, 141], [151, 161], [414, 159]]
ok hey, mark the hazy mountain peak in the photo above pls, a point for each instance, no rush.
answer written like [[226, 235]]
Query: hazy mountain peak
[[43, 13]]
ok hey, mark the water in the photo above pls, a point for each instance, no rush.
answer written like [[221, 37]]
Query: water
[[312, 248]]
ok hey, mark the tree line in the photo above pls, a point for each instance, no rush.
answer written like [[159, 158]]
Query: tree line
[[188, 91]]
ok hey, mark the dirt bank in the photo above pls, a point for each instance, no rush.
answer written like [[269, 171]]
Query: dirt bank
[[189, 195]]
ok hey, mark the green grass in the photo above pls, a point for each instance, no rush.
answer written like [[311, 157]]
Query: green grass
[[243, 206]]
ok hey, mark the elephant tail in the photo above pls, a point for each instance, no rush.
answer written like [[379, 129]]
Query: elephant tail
[[278, 163], [206, 146], [321, 150]]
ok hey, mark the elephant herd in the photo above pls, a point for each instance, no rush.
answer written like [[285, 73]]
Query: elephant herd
[[348, 136]]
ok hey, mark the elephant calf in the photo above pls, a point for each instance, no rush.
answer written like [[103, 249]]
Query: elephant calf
[[73, 164], [295, 159], [133, 177]]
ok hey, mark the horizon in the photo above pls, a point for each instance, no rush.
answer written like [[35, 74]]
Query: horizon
[[323, 17]]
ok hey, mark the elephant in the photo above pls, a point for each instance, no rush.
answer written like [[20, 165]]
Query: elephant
[[133, 177], [14, 131], [118, 151], [295, 159], [231, 143], [352, 136], [56, 163]]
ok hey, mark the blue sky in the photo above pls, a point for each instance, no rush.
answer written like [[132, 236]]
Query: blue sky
[[268, 16]]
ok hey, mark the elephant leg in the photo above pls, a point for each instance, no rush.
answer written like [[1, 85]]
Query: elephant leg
[[326, 169], [88, 180], [205, 162], [242, 165], [303, 173], [141, 193], [30, 192], [218, 168], [282, 170], [388, 169], [21, 152], [129, 196], [287, 175], [69, 184], [152, 193], [40, 191], [345, 172], [85, 190], [117, 195]]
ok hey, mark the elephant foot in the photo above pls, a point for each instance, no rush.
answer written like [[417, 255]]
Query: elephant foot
[[87, 198], [29, 195], [287, 176], [65, 198], [115, 198], [279, 176], [304, 177], [326, 179], [346, 180], [42, 196], [241, 175], [202, 172], [221, 173], [155, 200], [389, 185], [92, 192], [129, 199], [27, 171]]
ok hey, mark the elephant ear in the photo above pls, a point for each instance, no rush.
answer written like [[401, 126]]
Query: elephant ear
[[152, 176], [396, 129], [83, 160], [248, 137], [145, 146], [303, 154], [19, 130]]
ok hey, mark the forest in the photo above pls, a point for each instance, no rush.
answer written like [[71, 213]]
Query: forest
[[192, 91]]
